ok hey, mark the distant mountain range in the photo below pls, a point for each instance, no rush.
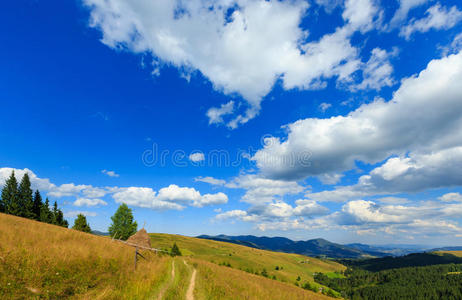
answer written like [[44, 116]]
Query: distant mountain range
[[321, 247]]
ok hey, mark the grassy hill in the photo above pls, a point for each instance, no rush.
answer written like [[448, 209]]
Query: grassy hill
[[249, 259], [40, 260], [455, 253]]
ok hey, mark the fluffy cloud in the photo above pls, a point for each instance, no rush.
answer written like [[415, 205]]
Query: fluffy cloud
[[89, 202], [404, 7], [196, 157], [411, 121], [261, 190], [324, 106], [36, 182], [171, 197], [451, 197], [242, 47], [412, 174], [110, 173], [438, 17]]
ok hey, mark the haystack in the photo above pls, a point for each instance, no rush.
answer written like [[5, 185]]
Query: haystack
[[141, 238]]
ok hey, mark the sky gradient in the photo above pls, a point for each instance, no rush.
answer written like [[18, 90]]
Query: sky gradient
[[328, 118]]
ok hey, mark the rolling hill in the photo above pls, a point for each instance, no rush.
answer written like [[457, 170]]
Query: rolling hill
[[314, 247], [40, 260]]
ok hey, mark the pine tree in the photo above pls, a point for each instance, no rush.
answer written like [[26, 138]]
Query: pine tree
[[81, 224], [60, 219], [37, 207], [10, 196], [123, 225], [45, 213], [25, 198], [175, 251], [54, 214]]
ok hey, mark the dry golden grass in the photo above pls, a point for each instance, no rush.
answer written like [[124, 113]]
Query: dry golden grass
[[455, 253], [219, 282], [47, 261]]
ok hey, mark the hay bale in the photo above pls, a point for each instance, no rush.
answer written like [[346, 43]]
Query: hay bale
[[141, 238]]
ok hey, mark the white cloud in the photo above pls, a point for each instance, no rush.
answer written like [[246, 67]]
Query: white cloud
[[196, 157], [324, 106], [309, 208], [360, 14], [36, 182], [261, 190], [403, 175], [215, 114], [88, 202], [242, 47], [67, 190], [377, 71], [210, 180], [438, 17], [332, 178], [110, 173], [171, 197], [404, 7], [451, 197], [411, 122], [329, 5], [74, 213]]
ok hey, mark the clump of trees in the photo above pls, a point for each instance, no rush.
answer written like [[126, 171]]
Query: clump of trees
[[20, 200], [123, 224], [81, 224]]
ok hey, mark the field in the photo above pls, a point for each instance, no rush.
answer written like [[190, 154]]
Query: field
[[42, 261], [455, 253]]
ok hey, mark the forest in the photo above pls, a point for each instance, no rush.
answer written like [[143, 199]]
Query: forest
[[414, 276]]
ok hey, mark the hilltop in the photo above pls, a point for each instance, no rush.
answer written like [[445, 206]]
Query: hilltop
[[314, 247], [48, 261]]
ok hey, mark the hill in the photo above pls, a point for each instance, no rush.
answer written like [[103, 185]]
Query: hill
[[40, 260], [314, 247]]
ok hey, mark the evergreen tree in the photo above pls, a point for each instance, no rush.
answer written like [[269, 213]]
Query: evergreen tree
[[123, 225], [25, 198], [81, 224], [37, 207], [10, 196], [45, 213], [175, 251], [54, 214], [60, 219]]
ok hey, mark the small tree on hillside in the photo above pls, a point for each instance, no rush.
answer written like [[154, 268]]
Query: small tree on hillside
[[81, 224], [123, 226], [175, 251], [26, 199], [10, 196], [37, 207]]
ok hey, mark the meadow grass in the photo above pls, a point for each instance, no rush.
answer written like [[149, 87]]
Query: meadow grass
[[455, 253], [39, 260], [220, 282], [251, 260]]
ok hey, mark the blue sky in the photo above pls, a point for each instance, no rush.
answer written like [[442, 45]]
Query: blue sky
[[330, 119]]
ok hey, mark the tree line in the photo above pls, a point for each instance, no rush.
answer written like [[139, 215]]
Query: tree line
[[19, 200]]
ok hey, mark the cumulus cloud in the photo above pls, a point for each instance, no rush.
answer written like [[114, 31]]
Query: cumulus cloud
[[437, 17], [196, 157], [242, 47], [416, 173], [88, 202], [110, 173], [36, 182], [412, 121], [171, 197], [451, 197]]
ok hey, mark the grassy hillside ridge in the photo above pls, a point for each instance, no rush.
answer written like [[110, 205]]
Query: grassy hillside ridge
[[249, 259], [43, 260], [40, 260]]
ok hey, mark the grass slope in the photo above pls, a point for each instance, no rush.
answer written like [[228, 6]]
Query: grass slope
[[43, 261], [249, 259]]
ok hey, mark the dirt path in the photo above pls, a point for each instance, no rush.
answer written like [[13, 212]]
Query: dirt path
[[164, 289], [192, 283]]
